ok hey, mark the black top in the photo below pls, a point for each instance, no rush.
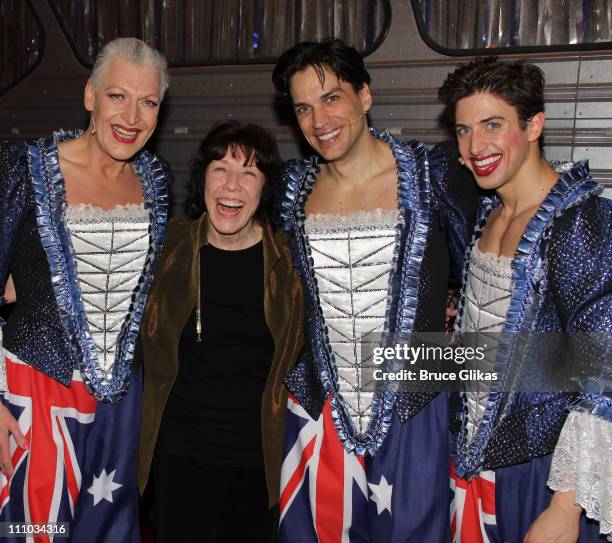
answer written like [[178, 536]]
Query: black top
[[214, 409]]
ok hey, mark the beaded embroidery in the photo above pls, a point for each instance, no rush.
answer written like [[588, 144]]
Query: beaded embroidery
[[110, 248], [353, 257]]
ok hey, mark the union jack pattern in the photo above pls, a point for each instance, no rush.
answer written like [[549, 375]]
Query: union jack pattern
[[500, 506], [318, 449], [45, 406], [63, 455], [329, 495], [473, 508]]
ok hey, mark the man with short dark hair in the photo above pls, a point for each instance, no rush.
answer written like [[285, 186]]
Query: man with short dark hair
[[364, 217], [539, 266]]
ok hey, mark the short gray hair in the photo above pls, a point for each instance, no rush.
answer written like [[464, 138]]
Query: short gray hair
[[135, 51]]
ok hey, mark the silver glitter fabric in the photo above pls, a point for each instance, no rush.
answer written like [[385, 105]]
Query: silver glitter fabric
[[3, 386], [487, 296], [32, 331], [353, 257], [110, 249]]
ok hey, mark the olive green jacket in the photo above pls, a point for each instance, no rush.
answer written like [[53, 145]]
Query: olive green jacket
[[171, 300]]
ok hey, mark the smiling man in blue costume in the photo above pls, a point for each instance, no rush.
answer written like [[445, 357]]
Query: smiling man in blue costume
[[539, 266], [83, 219], [365, 223]]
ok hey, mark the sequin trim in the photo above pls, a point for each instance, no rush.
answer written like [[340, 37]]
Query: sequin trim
[[87, 213], [50, 207], [3, 386], [360, 220]]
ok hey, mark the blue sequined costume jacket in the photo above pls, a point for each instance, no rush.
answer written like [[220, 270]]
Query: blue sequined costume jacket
[[432, 226], [561, 282], [48, 327]]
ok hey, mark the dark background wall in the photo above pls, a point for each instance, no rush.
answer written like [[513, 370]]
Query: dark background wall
[[405, 72]]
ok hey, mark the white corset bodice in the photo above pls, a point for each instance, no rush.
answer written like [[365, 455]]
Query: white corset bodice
[[487, 297], [110, 250], [353, 257]]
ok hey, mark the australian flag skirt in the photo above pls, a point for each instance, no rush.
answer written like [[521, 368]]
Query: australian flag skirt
[[401, 494], [80, 467]]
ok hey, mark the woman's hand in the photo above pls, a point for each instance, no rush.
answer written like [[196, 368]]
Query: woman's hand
[[10, 294], [8, 425], [559, 523]]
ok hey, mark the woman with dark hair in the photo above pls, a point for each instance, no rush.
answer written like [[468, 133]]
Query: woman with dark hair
[[221, 329]]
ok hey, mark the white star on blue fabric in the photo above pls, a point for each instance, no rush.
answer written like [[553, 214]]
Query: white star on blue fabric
[[381, 495], [103, 487]]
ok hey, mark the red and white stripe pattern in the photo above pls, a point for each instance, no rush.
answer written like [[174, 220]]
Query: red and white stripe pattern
[[331, 470], [473, 507]]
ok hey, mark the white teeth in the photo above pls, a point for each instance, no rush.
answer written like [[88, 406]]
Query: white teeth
[[230, 203], [126, 133], [329, 135], [487, 161]]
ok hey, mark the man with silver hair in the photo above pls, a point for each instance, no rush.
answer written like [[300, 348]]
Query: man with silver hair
[[134, 51], [84, 217]]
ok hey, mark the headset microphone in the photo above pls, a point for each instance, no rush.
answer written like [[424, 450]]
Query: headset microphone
[[351, 123]]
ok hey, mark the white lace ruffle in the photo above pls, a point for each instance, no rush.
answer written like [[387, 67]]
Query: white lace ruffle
[[91, 213], [497, 264], [371, 218], [582, 462]]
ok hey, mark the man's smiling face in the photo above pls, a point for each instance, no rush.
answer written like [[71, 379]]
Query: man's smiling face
[[491, 140], [331, 114]]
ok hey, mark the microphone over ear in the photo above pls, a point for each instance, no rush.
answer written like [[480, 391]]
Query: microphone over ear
[[461, 161], [351, 123]]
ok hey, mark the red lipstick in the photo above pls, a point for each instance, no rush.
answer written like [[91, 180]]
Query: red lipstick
[[485, 165], [123, 134]]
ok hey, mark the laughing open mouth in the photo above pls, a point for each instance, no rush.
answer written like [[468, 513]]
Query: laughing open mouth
[[229, 205]]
